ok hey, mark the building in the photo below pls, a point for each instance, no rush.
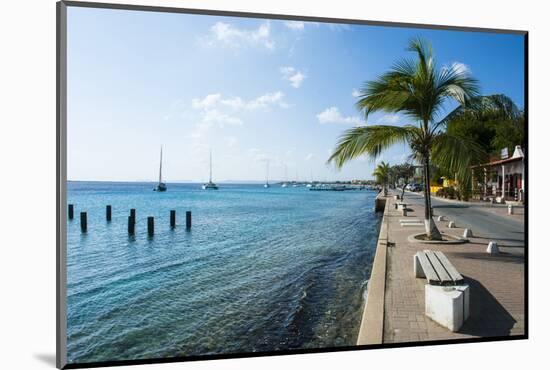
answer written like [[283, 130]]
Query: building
[[501, 180]]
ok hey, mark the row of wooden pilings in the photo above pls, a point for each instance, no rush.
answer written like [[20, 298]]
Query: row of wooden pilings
[[131, 220]]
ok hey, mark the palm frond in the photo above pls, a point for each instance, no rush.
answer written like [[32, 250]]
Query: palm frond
[[456, 154], [370, 141], [497, 106]]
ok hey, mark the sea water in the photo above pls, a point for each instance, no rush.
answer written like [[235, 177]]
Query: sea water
[[260, 270]]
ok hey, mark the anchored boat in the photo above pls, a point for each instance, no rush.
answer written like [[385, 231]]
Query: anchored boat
[[161, 186], [266, 185], [210, 185]]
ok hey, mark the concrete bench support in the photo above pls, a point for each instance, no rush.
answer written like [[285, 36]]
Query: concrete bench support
[[447, 296], [449, 306]]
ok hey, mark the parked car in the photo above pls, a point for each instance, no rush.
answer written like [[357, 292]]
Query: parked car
[[416, 187]]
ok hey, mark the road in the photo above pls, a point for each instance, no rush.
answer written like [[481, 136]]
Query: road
[[507, 232]]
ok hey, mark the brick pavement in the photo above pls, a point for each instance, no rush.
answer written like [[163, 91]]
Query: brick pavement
[[496, 283]]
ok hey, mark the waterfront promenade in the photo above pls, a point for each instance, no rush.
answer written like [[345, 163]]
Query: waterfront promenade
[[496, 282]]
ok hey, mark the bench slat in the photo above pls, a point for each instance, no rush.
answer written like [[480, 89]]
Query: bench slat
[[451, 270], [444, 277], [429, 271]]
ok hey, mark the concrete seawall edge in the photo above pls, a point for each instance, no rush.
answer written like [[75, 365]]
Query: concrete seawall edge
[[371, 330]]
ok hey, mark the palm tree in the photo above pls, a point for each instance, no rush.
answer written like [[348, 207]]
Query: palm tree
[[419, 90], [382, 174], [493, 121]]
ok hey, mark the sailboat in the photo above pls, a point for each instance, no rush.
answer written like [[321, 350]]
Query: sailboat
[[210, 185], [266, 185], [295, 185], [161, 186], [311, 183], [284, 184]]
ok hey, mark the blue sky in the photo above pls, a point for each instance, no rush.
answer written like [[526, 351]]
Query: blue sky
[[252, 90]]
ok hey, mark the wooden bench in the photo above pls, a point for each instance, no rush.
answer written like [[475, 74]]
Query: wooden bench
[[436, 268], [447, 297]]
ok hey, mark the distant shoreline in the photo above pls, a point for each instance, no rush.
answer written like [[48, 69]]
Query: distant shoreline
[[227, 182]]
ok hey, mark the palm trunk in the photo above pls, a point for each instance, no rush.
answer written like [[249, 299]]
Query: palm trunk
[[432, 231]]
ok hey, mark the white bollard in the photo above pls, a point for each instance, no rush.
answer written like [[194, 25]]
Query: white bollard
[[451, 225], [492, 248], [510, 209], [467, 233], [440, 218]]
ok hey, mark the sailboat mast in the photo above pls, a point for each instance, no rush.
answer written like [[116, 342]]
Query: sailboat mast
[[210, 166], [267, 173], [160, 170]]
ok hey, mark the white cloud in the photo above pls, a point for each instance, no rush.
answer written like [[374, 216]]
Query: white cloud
[[208, 102], [333, 115], [291, 74], [236, 103], [355, 93], [266, 100], [220, 111], [309, 157], [458, 67], [216, 116], [388, 119], [295, 25], [234, 37]]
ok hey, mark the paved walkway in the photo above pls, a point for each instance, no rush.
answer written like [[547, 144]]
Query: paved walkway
[[496, 282]]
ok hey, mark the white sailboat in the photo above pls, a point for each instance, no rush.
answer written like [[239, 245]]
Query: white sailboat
[[296, 184], [311, 183], [284, 184], [266, 185], [161, 186], [210, 185]]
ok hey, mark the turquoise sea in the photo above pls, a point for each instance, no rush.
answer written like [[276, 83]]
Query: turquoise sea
[[260, 270]]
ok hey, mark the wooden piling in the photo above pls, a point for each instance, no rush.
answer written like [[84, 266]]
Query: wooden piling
[[150, 226], [83, 222], [173, 218], [133, 213], [71, 211], [188, 219], [108, 210], [131, 225]]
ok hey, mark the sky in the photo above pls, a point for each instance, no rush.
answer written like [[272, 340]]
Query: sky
[[258, 93]]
